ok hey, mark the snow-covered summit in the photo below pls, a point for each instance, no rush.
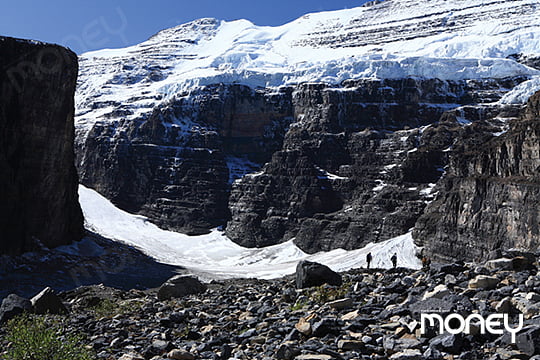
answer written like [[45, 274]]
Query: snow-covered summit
[[460, 39]]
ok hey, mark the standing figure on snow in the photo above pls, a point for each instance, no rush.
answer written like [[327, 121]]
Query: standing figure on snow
[[368, 259], [394, 260], [426, 262]]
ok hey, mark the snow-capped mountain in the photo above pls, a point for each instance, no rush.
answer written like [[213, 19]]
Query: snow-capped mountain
[[449, 40], [343, 120]]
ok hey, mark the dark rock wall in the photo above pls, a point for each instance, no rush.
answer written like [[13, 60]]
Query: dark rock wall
[[345, 165], [38, 179], [490, 194], [172, 166], [357, 164]]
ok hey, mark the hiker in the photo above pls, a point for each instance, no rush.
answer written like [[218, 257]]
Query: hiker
[[426, 262], [394, 260], [368, 259]]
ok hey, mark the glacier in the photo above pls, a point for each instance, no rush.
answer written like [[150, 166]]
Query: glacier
[[214, 256]]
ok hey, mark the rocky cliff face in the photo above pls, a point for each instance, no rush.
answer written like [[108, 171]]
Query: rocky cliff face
[[38, 180], [175, 165], [354, 154], [488, 198], [336, 126], [358, 165]]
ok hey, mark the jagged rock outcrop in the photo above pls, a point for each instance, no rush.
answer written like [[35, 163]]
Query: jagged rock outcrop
[[38, 179], [359, 163], [489, 197]]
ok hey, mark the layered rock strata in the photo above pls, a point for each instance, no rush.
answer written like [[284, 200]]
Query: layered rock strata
[[488, 198], [360, 162]]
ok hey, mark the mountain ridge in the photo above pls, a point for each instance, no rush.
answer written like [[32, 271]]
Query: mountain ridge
[[163, 127]]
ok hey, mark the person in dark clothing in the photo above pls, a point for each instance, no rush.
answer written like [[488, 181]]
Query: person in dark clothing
[[426, 262], [368, 259], [394, 260]]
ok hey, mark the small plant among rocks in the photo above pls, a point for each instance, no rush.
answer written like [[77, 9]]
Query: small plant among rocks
[[325, 293], [33, 337], [109, 308], [299, 305]]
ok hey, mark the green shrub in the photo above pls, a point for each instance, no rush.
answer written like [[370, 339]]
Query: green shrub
[[299, 305], [325, 293], [109, 308], [41, 338]]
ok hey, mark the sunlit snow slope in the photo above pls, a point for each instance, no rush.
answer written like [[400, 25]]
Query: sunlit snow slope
[[460, 39], [214, 256]]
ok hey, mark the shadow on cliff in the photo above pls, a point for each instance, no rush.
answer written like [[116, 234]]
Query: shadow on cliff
[[94, 260]]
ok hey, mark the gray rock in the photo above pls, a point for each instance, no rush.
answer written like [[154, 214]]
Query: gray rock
[[295, 197], [504, 306], [431, 305], [439, 292], [310, 274], [528, 340], [340, 304], [47, 302], [314, 357], [449, 343], [484, 282], [131, 356], [324, 327], [500, 264], [287, 351], [180, 286], [12, 306], [407, 354], [178, 354], [526, 307], [348, 345]]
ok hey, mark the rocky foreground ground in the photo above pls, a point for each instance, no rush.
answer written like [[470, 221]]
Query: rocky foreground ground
[[373, 314]]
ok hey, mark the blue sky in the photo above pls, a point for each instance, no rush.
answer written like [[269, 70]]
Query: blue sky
[[85, 25]]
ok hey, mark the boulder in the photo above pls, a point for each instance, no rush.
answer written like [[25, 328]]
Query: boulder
[[178, 354], [431, 305], [450, 343], [504, 306], [287, 351], [47, 302], [407, 354], [484, 282], [179, 286], [348, 345], [324, 327], [12, 306], [310, 274], [439, 292], [526, 307], [534, 297], [131, 356], [303, 326], [520, 263], [528, 340], [500, 264], [340, 304], [314, 357]]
